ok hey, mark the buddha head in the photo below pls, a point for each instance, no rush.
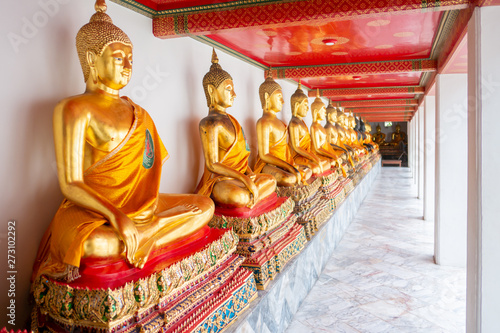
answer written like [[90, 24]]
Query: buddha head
[[318, 108], [218, 86], [299, 102], [341, 117], [368, 127], [331, 113], [398, 128], [271, 95], [351, 121], [104, 50], [378, 129]]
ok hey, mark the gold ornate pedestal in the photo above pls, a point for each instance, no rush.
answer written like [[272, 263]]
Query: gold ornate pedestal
[[203, 292], [269, 236], [305, 197]]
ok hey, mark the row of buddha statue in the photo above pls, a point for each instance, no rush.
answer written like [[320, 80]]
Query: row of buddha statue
[[290, 154], [396, 137], [120, 255]]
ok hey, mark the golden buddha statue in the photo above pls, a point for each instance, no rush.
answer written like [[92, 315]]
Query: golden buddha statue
[[379, 137], [372, 146], [398, 136], [109, 159], [320, 146], [351, 133], [334, 134], [355, 140], [274, 156], [342, 128], [227, 178], [300, 139]]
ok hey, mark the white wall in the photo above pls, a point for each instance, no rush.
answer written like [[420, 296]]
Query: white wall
[[42, 68]]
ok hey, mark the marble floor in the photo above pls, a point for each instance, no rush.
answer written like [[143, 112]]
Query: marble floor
[[381, 277]]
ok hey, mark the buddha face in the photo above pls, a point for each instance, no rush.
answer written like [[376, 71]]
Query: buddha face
[[398, 128], [332, 117], [301, 108], [321, 113], [276, 101], [224, 95], [113, 67], [340, 120]]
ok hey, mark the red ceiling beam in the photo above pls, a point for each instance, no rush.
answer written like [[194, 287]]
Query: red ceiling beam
[[342, 92], [366, 68], [242, 15], [372, 114], [377, 103], [452, 36], [388, 109], [379, 120]]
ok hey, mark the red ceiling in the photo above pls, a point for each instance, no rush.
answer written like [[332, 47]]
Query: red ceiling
[[382, 43], [160, 5], [361, 81], [372, 97], [381, 38]]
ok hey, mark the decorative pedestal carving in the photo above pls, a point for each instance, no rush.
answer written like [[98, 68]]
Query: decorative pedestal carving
[[168, 294], [268, 235]]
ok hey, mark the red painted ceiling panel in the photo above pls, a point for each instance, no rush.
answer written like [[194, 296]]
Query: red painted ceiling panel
[[386, 37], [359, 81], [369, 97]]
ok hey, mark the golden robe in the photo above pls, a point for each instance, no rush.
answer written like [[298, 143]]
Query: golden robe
[[304, 143], [128, 176], [236, 157], [280, 150], [326, 146]]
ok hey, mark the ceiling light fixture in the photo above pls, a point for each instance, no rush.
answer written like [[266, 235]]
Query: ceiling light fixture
[[329, 41]]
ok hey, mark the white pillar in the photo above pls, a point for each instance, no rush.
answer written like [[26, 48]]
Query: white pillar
[[450, 246], [411, 147], [410, 140], [415, 150], [420, 152], [429, 155], [483, 265]]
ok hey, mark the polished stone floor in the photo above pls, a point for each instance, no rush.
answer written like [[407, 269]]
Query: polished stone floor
[[381, 277]]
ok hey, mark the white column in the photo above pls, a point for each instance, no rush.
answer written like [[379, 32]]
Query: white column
[[420, 152], [415, 140], [429, 155], [415, 150], [410, 140], [450, 246], [483, 264], [411, 149]]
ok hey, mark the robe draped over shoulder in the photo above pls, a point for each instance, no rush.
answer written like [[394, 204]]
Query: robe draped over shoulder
[[280, 149], [304, 143], [236, 157], [128, 176]]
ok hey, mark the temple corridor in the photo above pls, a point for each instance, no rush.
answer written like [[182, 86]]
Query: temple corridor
[[381, 277]]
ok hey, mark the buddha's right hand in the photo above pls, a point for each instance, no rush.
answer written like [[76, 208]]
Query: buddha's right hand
[[297, 174], [128, 233], [254, 191]]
